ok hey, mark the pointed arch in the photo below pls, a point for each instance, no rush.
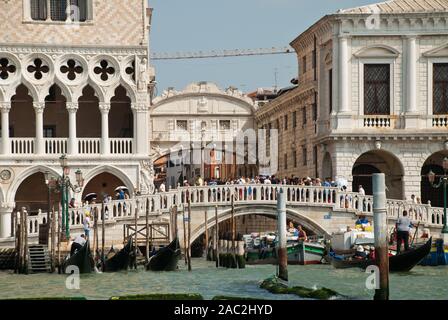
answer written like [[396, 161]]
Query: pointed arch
[[64, 89], [32, 90], [99, 93]]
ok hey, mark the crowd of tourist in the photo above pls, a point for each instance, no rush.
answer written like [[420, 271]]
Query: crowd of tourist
[[293, 180]]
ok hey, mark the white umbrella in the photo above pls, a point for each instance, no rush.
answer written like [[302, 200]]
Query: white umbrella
[[90, 196], [121, 188], [341, 182]]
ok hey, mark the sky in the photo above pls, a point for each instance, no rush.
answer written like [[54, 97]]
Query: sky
[[205, 25]]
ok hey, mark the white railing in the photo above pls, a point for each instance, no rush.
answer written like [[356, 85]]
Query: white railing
[[440, 121], [56, 145], [258, 194], [121, 145], [332, 198], [22, 145], [89, 145], [377, 121]]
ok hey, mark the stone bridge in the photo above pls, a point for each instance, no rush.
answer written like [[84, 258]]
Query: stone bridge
[[319, 209]]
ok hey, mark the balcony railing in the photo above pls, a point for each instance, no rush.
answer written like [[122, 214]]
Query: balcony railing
[[56, 145], [22, 145], [86, 146], [377, 121], [440, 121], [89, 146], [121, 146]]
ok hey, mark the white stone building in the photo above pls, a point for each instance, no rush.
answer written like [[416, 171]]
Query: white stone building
[[72, 82], [201, 118], [375, 79]]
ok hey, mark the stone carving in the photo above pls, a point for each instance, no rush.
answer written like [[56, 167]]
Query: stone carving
[[156, 151], [378, 144], [203, 105], [143, 78], [147, 176]]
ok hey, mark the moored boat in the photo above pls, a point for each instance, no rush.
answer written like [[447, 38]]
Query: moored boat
[[302, 253], [82, 259], [166, 258], [121, 260], [402, 262]]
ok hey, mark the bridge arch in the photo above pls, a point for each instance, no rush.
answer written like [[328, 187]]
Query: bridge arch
[[270, 210]]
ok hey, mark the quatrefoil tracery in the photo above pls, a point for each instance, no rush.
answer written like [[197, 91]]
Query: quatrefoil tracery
[[6, 68], [38, 69], [104, 70], [71, 69], [130, 70]]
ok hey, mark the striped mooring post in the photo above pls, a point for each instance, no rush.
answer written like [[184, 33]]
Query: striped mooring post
[[281, 224], [380, 231]]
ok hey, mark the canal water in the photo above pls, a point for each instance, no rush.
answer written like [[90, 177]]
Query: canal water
[[421, 283]]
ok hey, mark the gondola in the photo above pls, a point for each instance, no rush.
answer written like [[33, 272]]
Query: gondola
[[121, 260], [197, 249], [402, 262], [82, 259], [166, 258]]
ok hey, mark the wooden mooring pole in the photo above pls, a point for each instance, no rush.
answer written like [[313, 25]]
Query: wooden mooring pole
[[206, 234], [189, 236], [53, 240], [137, 210], [281, 223], [103, 235], [17, 240], [233, 259], [185, 236], [147, 234], [380, 232], [59, 240], [217, 236]]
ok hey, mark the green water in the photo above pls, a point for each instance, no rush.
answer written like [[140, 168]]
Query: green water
[[421, 283]]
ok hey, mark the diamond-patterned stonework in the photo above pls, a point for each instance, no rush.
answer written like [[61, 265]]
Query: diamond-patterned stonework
[[113, 22]]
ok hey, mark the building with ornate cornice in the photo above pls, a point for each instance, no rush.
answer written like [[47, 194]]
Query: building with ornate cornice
[[195, 131], [372, 97], [75, 79]]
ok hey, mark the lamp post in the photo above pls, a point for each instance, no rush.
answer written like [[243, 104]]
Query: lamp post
[[442, 182], [202, 152], [65, 185]]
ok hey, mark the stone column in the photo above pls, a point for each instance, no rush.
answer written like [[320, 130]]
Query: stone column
[[5, 107], [72, 108], [412, 74], [39, 108], [343, 75], [5, 220], [411, 112], [141, 140], [105, 144]]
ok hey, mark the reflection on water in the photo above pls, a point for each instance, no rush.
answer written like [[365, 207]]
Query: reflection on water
[[421, 283]]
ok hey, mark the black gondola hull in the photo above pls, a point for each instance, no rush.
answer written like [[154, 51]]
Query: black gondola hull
[[121, 260], [166, 258], [403, 262], [82, 259]]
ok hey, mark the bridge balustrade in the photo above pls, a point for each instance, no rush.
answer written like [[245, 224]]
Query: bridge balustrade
[[221, 195]]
